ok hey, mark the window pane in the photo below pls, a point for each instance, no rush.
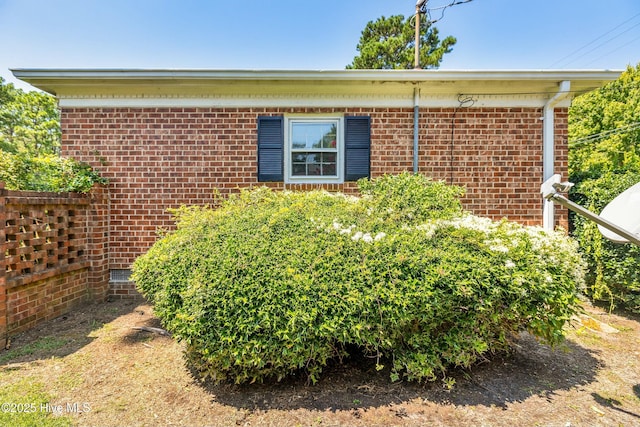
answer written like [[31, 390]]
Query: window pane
[[299, 158], [299, 169], [329, 169], [314, 164], [313, 135], [329, 138], [314, 169]]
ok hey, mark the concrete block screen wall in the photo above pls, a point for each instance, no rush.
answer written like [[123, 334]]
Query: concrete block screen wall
[[158, 158]]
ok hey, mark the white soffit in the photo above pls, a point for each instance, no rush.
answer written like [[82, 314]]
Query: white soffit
[[341, 88]]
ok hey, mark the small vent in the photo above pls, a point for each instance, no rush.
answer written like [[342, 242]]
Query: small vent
[[119, 275]]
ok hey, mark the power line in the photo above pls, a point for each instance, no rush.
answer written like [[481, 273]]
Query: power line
[[605, 134], [612, 51], [605, 42], [442, 9], [575, 52]]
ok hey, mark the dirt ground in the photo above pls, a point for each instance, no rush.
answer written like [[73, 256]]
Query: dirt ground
[[128, 377]]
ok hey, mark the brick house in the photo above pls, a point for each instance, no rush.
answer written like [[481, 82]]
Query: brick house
[[165, 138]]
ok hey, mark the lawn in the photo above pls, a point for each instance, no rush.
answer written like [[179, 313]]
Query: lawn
[[92, 368]]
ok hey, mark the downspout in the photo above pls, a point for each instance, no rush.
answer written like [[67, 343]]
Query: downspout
[[548, 147], [416, 118]]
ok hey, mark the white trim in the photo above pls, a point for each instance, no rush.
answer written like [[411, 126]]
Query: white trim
[[290, 119], [311, 101], [351, 75]]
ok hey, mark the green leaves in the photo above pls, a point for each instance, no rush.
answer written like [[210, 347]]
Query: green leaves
[[30, 145], [604, 160], [613, 273], [29, 122], [604, 128], [274, 282], [47, 172]]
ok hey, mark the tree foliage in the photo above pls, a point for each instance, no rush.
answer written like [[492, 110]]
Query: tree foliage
[[613, 273], [604, 160], [29, 122], [388, 43], [46, 172], [30, 145], [604, 128]]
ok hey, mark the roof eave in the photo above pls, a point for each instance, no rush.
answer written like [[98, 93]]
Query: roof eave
[[200, 83], [39, 74]]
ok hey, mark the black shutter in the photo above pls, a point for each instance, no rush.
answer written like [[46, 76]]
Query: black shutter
[[357, 136], [270, 148]]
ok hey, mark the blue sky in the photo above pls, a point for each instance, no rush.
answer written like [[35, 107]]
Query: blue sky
[[314, 35]]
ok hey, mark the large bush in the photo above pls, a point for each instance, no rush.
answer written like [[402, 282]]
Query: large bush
[[613, 272], [274, 282]]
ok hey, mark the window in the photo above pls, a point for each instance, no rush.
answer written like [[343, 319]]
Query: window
[[313, 149]]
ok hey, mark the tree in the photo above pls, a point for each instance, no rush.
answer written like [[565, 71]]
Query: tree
[[29, 122], [604, 128], [30, 145], [604, 160], [6, 92], [388, 43]]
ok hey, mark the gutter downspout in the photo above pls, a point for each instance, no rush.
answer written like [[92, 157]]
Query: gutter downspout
[[548, 148], [416, 118]]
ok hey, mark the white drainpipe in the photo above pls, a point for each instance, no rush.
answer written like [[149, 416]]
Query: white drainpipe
[[416, 128], [548, 150]]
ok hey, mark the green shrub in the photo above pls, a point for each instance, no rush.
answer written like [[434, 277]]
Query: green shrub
[[46, 172], [407, 198], [613, 272], [274, 282]]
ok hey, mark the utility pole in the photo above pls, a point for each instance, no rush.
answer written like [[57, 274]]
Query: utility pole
[[416, 62]]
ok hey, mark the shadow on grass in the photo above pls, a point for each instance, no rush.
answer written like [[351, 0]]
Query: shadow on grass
[[617, 310], [614, 404], [143, 331], [531, 369], [63, 335]]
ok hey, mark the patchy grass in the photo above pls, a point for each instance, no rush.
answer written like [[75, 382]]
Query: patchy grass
[[42, 345], [26, 403], [101, 372]]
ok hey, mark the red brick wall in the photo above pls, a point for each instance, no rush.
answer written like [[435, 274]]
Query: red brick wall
[[3, 279], [34, 302], [496, 153], [156, 158]]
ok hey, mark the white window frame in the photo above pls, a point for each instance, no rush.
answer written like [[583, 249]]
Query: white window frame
[[290, 120]]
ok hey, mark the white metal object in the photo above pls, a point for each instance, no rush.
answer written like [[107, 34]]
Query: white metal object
[[548, 146], [624, 211], [630, 219], [416, 127]]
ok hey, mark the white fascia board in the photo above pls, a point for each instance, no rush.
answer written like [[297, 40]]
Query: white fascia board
[[371, 75]]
